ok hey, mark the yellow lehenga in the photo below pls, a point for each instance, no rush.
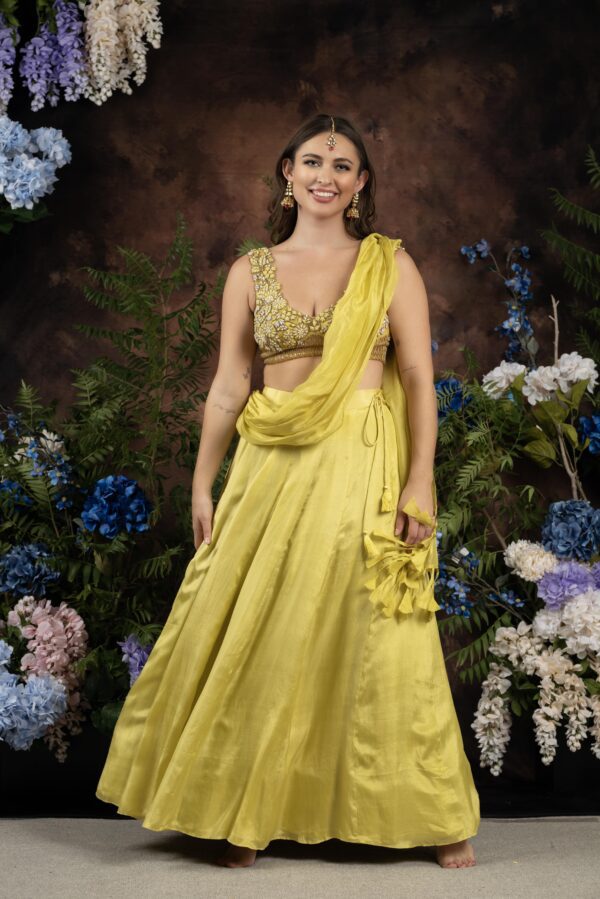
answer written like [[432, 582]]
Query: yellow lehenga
[[298, 689]]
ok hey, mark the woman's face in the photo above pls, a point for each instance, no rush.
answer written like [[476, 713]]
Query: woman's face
[[324, 180]]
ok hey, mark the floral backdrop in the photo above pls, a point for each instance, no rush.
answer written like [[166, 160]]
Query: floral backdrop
[[118, 224]]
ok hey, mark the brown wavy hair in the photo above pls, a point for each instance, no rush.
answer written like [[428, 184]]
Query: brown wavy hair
[[281, 221]]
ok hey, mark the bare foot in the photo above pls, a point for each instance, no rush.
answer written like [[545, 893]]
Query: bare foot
[[237, 856], [456, 855]]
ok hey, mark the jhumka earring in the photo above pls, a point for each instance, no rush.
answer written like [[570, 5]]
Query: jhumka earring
[[352, 210], [288, 197]]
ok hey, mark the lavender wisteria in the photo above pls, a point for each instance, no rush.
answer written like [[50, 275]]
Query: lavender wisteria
[[9, 39], [54, 59], [80, 50]]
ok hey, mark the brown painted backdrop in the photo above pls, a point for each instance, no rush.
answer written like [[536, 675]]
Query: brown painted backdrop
[[470, 112]]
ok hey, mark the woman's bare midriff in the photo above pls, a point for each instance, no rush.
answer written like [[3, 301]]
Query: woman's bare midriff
[[289, 374]]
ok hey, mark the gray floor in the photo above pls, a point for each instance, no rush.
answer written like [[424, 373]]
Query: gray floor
[[85, 858]]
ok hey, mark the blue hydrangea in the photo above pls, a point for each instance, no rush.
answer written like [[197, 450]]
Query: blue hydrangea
[[571, 529], [28, 709], [6, 651], [116, 504], [25, 176], [23, 571]]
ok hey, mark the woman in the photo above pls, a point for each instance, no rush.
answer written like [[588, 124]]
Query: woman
[[298, 689]]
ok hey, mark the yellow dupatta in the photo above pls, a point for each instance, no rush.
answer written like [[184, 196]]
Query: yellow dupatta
[[315, 408]]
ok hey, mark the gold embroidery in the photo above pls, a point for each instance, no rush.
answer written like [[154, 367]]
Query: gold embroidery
[[280, 331]]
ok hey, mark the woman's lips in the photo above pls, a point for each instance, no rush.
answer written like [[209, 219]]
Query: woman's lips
[[323, 199]]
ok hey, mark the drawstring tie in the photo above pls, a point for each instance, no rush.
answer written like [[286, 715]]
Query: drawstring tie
[[376, 414], [400, 576]]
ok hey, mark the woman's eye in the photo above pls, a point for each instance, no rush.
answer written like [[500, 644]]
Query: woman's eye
[[346, 168]]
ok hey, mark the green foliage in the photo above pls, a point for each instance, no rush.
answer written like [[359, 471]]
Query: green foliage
[[581, 264], [484, 503], [139, 409], [136, 412], [472, 658]]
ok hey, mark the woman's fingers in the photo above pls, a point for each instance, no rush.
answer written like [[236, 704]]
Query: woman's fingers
[[415, 531], [202, 518], [206, 523]]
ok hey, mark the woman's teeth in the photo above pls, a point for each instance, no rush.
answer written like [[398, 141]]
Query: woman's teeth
[[323, 194]]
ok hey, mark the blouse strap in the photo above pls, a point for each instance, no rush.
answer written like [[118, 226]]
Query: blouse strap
[[263, 272]]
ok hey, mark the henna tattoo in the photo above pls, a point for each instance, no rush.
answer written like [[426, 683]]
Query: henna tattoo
[[246, 374], [408, 368], [225, 409]]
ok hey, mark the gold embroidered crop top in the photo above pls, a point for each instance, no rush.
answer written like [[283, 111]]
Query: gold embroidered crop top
[[282, 332]]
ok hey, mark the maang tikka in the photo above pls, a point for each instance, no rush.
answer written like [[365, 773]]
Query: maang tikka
[[288, 197]]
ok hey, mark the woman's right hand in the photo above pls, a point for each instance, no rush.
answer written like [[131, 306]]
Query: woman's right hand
[[202, 516]]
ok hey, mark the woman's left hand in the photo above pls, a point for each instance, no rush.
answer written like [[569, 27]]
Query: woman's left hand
[[420, 490]]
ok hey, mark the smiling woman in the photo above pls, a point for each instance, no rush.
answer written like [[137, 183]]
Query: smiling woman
[[298, 689]]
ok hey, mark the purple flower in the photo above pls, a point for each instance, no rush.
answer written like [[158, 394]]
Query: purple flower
[[595, 569], [8, 41], [568, 579], [39, 60], [135, 655], [55, 60], [72, 74]]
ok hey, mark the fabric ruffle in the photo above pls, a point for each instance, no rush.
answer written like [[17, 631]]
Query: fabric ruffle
[[403, 573]]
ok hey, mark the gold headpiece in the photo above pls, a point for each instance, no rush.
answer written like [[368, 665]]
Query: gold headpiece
[[331, 139]]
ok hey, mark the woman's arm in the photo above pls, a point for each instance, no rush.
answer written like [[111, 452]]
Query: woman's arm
[[409, 327], [228, 393]]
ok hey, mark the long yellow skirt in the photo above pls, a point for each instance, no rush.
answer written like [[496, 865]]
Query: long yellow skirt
[[278, 701]]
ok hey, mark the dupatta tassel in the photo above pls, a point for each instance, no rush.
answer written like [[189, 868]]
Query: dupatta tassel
[[386, 499], [404, 574]]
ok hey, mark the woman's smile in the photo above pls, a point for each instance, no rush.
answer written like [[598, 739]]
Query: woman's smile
[[323, 196]]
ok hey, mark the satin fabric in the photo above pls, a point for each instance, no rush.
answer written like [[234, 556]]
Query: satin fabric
[[280, 701], [402, 573]]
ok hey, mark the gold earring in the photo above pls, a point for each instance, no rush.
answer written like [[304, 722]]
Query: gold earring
[[288, 197], [352, 210]]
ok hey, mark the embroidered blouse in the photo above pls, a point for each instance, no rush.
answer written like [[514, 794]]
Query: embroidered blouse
[[282, 332]]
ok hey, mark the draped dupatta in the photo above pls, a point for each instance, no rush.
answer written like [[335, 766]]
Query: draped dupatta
[[315, 408]]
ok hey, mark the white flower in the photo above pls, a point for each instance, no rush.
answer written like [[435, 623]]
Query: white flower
[[580, 624], [51, 442], [493, 719], [553, 663], [499, 379], [529, 560], [540, 383], [573, 368], [115, 32], [546, 623]]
